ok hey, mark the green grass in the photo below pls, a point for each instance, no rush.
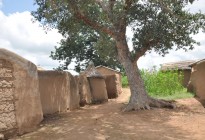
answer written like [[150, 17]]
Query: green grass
[[179, 95]]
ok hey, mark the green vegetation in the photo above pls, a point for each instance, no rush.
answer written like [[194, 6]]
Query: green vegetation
[[159, 82], [124, 81], [178, 95], [163, 85]]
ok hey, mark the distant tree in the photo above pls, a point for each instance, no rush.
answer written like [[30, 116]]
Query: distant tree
[[156, 24]]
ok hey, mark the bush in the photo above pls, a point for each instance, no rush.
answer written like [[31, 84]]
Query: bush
[[162, 83], [159, 83]]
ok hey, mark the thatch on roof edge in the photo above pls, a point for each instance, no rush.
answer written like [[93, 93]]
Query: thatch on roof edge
[[199, 61], [180, 65], [108, 68], [92, 72]]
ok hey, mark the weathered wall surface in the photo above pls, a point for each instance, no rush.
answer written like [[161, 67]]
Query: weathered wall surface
[[113, 85], [19, 90], [186, 78], [199, 79], [7, 109], [118, 83], [74, 96], [84, 90], [196, 83], [54, 91], [98, 89], [106, 72]]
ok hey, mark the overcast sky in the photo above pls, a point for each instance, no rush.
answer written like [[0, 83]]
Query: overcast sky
[[19, 34]]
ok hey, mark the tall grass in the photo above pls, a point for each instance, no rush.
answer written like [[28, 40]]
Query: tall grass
[[162, 84]]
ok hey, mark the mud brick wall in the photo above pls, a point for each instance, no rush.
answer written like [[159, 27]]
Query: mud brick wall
[[20, 105], [7, 109]]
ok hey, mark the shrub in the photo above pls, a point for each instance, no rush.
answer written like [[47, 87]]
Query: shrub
[[162, 83], [159, 83]]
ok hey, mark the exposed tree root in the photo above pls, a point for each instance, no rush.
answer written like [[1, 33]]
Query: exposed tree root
[[159, 103], [151, 102]]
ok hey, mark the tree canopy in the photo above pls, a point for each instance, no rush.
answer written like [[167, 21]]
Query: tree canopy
[[156, 24]]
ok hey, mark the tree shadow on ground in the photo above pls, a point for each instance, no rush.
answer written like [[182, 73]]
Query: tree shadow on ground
[[107, 122]]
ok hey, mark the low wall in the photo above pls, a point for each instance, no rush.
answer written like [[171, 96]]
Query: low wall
[[74, 96], [199, 78], [54, 91], [84, 90], [98, 89], [186, 78], [111, 86], [196, 83]]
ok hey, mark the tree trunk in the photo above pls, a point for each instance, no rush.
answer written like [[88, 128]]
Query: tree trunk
[[139, 98]]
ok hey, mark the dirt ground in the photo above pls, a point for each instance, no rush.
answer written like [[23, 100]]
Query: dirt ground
[[107, 122]]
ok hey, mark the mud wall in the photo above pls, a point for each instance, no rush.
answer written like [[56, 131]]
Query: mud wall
[[111, 86], [54, 91], [84, 90], [74, 96], [113, 81], [7, 109], [19, 94], [186, 77], [98, 90], [198, 78]]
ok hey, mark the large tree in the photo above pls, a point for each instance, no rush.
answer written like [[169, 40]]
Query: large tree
[[84, 47], [157, 25]]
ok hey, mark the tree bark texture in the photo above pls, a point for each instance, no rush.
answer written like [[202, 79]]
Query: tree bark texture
[[139, 98]]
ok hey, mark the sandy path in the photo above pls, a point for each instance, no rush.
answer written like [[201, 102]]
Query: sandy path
[[107, 122]]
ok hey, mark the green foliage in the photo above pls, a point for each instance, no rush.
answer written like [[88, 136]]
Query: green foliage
[[84, 48], [156, 24], [124, 81], [159, 83]]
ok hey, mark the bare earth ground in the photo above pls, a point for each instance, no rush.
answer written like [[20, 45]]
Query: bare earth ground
[[107, 122]]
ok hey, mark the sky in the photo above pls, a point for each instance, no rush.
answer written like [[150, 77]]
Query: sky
[[18, 33]]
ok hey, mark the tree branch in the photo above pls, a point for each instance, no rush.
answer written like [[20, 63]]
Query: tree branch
[[103, 6], [143, 50], [108, 9], [123, 20], [167, 9], [80, 16]]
